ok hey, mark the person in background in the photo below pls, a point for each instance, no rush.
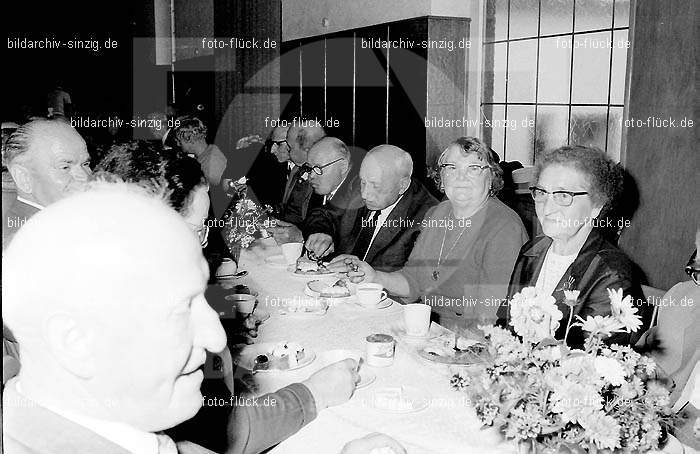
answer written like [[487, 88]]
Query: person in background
[[297, 198], [113, 348], [673, 342], [59, 104], [48, 160], [467, 246], [573, 190], [383, 230]]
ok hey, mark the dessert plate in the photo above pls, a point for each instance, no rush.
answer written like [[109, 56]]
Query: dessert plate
[[330, 288], [245, 357]]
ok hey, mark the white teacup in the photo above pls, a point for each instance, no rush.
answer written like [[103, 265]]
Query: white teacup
[[370, 295], [292, 251], [416, 319], [227, 267]]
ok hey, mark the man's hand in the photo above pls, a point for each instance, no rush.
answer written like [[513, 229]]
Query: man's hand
[[374, 443], [320, 244], [334, 384], [285, 232], [357, 270]]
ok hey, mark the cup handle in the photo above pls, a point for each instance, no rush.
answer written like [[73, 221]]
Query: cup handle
[[384, 295]]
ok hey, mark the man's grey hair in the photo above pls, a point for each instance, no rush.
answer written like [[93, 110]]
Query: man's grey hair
[[403, 163], [18, 143], [308, 136]]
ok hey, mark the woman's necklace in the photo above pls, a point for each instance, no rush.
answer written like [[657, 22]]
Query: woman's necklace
[[436, 271]]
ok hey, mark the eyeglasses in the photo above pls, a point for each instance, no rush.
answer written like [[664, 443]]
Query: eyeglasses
[[691, 268], [202, 232], [472, 171], [562, 198], [318, 170]]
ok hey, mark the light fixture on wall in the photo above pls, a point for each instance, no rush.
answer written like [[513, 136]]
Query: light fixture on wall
[[325, 22]]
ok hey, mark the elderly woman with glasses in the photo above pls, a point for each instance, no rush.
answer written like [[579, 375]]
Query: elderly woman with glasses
[[467, 247], [574, 189]]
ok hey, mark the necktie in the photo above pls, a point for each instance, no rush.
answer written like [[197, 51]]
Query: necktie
[[166, 445], [365, 237]]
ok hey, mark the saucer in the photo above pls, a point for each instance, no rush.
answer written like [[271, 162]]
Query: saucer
[[367, 377], [401, 332], [383, 304]]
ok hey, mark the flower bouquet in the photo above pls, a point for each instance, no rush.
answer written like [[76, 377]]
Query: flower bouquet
[[244, 222], [549, 398]]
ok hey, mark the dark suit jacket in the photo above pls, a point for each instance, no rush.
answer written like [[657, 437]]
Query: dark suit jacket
[[326, 218], [298, 199], [394, 242], [14, 219], [32, 429], [599, 266]]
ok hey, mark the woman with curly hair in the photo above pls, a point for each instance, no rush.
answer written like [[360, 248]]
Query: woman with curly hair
[[147, 164], [574, 189], [467, 247]]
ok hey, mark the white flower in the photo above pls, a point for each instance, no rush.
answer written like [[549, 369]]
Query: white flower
[[571, 295], [242, 180], [624, 311], [601, 429], [610, 369], [534, 317], [599, 325]]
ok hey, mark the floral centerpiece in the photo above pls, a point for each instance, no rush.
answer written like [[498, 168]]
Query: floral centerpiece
[[550, 398], [244, 221]]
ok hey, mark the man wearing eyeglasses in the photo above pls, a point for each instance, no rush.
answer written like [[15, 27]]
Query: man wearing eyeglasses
[[332, 177], [383, 230], [298, 194]]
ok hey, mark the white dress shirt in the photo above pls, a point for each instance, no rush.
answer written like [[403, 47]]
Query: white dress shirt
[[129, 438], [379, 222], [330, 195]]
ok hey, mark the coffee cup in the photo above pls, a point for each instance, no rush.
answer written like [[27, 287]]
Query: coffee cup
[[291, 252], [228, 267], [370, 295], [244, 304], [416, 319]]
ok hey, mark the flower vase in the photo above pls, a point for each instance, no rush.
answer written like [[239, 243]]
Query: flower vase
[[235, 250]]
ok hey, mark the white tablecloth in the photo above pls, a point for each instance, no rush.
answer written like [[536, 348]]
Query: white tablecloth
[[447, 426]]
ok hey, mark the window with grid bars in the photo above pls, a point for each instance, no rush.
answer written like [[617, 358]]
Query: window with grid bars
[[554, 74]]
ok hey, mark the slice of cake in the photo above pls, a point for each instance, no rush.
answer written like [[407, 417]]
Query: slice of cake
[[288, 354]]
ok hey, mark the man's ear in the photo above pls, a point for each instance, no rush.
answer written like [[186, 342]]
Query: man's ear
[[22, 177], [404, 183], [71, 345], [596, 212]]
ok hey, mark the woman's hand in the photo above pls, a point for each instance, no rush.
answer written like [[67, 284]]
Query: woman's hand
[[356, 270]]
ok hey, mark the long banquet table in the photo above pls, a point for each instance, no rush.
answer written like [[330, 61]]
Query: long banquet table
[[448, 425]]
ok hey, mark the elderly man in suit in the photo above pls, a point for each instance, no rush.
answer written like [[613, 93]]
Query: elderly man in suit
[[113, 344], [298, 194], [47, 160], [384, 213]]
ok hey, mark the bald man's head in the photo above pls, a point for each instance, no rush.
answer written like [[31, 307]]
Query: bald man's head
[[301, 139], [385, 174], [119, 320], [332, 156], [48, 160]]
